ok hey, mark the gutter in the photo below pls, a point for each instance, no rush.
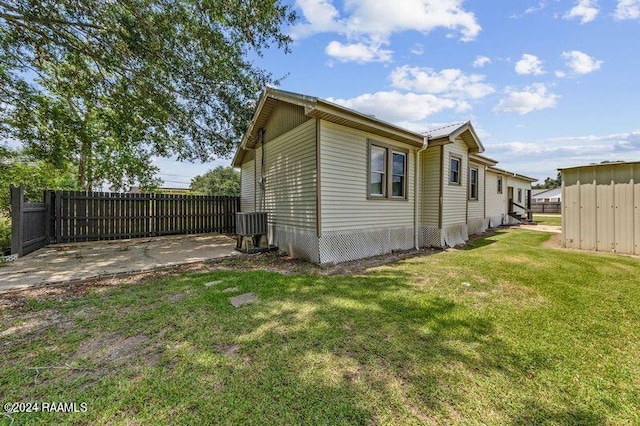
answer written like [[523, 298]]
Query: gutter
[[416, 190]]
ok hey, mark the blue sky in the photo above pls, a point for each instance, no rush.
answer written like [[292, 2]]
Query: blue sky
[[547, 84]]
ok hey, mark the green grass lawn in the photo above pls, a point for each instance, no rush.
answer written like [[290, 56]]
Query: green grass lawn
[[548, 219], [507, 331]]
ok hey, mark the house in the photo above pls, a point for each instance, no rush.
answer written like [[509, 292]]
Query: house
[[547, 195], [601, 207], [340, 185]]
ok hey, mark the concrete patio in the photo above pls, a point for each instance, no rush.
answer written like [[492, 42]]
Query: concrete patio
[[72, 262]]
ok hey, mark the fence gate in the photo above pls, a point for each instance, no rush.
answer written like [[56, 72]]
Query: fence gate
[[77, 216], [30, 222]]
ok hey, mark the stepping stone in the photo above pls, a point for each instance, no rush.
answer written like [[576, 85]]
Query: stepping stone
[[230, 289], [243, 299], [212, 283]]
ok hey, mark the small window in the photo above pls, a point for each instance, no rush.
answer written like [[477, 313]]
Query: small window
[[499, 184], [519, 195], [378, 161], [399, 170], [473, 183], [454, 170], [388, 169]]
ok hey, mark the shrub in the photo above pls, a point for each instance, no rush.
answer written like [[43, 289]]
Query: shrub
[[5, 233]]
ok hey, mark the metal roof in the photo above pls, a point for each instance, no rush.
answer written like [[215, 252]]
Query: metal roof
[[612, 163], [444, 131]]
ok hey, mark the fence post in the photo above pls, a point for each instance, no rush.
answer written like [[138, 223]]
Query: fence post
[[57, 224], [17, 216], [48, 216]]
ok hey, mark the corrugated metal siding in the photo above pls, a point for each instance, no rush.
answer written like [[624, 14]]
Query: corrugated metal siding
[[601, 208], [247, 187], [496, 203], [291, 176], [430, 186], [284, 117], [454, 207], [343, 183], [475, 208]]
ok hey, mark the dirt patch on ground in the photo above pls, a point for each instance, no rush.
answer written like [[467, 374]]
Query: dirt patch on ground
[[19, 324], [273, 261], [554, 242]]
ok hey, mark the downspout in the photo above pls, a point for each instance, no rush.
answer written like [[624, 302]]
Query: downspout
[[263, 190], [416, 189]]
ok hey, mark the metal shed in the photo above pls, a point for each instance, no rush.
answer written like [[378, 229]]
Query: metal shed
[[601, 207]]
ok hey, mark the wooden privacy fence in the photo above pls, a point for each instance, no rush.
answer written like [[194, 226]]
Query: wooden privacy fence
[[76, 216], [547, 207], [29, 223]]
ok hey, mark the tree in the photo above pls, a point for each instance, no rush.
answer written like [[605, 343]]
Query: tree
[[219, 181], [550, 183], [37, 175], [109, 85]]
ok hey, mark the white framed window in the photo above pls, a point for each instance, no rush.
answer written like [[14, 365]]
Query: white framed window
[[377, 173], [387, 171], [519, 195], [499, 184], [473, 183], [398, 174], [455, 163]]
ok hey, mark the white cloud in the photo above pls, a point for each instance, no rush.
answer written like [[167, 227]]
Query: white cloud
[[450, 83], [417, 49], [481, 61], [397, 107], [534, 9], [561, 74], [377, 20], [358, 52], [580, 62], [532, 98], [542, 157], [321, 16], [529, 64], [585, 10], [627, 9]]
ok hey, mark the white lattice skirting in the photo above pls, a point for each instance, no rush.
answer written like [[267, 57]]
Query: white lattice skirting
[[477, 226], [342, 246], [454, 235], [430, 236], [297, 242]]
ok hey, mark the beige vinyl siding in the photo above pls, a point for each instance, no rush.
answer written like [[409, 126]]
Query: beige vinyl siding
[[248, 186], [496, 203], [454, 206], [601, 208], [343, 183], [284, 118], [291, 176], [475, 208], [430, 186]]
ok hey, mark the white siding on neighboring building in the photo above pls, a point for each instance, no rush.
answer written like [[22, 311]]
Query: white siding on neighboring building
[[247, 186]]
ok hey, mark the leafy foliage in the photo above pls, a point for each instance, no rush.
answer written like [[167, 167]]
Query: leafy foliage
[[219, 181], [36, 175], [549, 183], [111, 84]]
